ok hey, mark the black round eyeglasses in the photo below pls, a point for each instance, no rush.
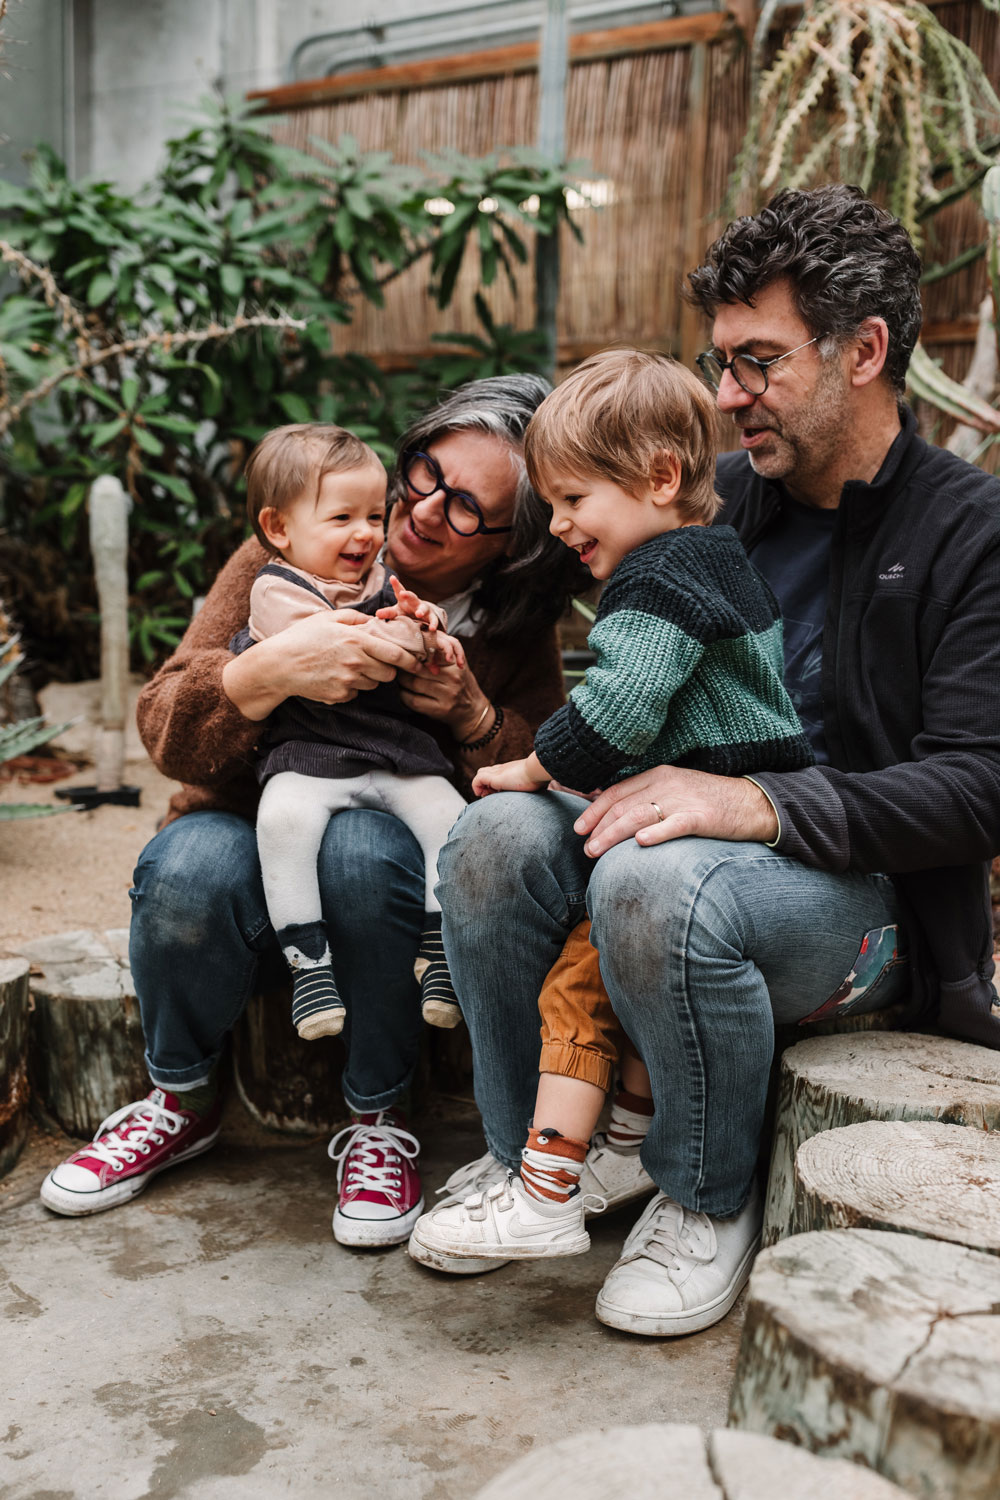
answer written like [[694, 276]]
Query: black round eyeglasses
[[463, 514], [749, 373]]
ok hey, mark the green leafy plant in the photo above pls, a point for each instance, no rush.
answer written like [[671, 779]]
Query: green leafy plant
[[157, 336], [21, 738]]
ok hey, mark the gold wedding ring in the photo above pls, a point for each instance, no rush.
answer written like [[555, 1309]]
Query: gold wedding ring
[[658, 810]]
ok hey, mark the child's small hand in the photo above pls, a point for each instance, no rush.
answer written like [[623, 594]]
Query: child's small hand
[[447, 652], [410, 604], [511, 776], [432, 621]]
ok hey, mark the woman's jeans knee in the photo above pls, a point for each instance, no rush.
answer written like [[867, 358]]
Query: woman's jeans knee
[[201, 942]]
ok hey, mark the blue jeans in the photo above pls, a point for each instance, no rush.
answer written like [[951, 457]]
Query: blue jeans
[[704, 945], [201, 942]]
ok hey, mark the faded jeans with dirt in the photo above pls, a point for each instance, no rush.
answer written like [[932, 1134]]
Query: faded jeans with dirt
[[704, 946], [201, 943]]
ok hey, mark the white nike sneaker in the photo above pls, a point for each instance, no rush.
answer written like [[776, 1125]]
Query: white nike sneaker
[[680, 1271], [617, 1177], [609, 1179], [503, 1220], [475, 1177]]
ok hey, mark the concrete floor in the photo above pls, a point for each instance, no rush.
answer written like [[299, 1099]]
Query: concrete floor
[[210, 1341]]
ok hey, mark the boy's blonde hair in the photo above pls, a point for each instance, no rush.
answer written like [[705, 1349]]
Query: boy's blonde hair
[[615, 416], [291, 460]]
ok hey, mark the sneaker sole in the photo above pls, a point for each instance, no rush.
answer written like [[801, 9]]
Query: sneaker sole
[[374, 1232], [77, 1205], [579, 1245], [451, 1265], [676, 1324]]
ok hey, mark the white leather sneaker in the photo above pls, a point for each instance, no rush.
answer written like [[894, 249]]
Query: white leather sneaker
[[615, 1176], [504, 1220], [680, 1271], [609, 1179], [475, 1177]]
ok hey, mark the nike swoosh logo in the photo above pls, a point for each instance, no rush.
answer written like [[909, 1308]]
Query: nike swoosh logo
[[519, 1230]]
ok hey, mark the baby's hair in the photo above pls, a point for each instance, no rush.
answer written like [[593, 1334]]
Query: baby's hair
[[616, 415], [291, 460]]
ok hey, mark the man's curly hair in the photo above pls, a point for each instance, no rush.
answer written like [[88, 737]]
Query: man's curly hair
[[845, 259]]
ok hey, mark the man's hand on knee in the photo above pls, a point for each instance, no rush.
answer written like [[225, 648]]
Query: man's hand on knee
[[670, 803]]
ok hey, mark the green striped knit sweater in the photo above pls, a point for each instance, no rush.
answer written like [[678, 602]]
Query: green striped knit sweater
[[688, 673]]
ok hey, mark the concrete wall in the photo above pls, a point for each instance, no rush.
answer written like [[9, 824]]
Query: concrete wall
[[35, 93], [106, 82]]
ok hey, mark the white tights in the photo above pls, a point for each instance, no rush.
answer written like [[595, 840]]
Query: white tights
[[295, 809]]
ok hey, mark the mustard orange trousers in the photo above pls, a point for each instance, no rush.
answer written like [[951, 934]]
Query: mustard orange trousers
[[581, 1035]]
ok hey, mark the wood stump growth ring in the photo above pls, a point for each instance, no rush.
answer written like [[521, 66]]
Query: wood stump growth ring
[[916, 1176], [830, 1081], [880, 1348]]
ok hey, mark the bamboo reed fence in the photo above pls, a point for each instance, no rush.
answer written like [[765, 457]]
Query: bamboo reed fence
[[656, 114]]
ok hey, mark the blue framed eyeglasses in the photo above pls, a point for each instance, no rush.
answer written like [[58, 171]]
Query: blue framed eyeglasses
[[463, 514]]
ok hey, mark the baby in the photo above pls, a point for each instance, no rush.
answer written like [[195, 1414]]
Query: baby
[[316, 498], [689, 668]]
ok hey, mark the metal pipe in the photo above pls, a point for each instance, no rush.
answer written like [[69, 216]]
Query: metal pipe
[[553, 64], [380, 47]]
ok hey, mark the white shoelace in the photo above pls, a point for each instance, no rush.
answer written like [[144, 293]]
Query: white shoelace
[[148, 1123], [474, 1177], [671, 1237], [359, 1155]]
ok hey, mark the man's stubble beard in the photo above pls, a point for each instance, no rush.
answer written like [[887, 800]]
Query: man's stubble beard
[[806, 441]]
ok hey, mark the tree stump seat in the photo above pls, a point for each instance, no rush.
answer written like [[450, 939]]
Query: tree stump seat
[[880, 1348], [916, 1176], [293, 1086], [831, 1081], [670, 1461], [86, 1056], [14, 1092]]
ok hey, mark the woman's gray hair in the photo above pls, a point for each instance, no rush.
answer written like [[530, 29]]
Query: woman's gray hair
[[530, 586]]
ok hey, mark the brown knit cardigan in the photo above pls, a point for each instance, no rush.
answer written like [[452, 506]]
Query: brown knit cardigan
[[195, 735]]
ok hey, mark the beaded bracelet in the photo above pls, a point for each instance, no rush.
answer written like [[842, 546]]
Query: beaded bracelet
[[490, 734]]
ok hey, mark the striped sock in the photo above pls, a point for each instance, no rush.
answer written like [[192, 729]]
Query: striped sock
[[438, 1001], [317, 1009], [551, 1165], [630, 1119]]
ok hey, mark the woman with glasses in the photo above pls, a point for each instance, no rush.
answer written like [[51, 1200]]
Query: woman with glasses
[[465, 531]]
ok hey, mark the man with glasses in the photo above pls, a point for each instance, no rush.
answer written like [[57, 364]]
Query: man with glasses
[[782, 897]]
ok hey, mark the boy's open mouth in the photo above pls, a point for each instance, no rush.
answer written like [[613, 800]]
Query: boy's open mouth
[[587, 550], [354, 559]]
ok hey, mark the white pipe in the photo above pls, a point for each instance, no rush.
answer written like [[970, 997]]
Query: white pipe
[[376, 51]]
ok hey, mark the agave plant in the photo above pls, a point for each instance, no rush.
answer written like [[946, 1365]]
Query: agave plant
[[21, 738]]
